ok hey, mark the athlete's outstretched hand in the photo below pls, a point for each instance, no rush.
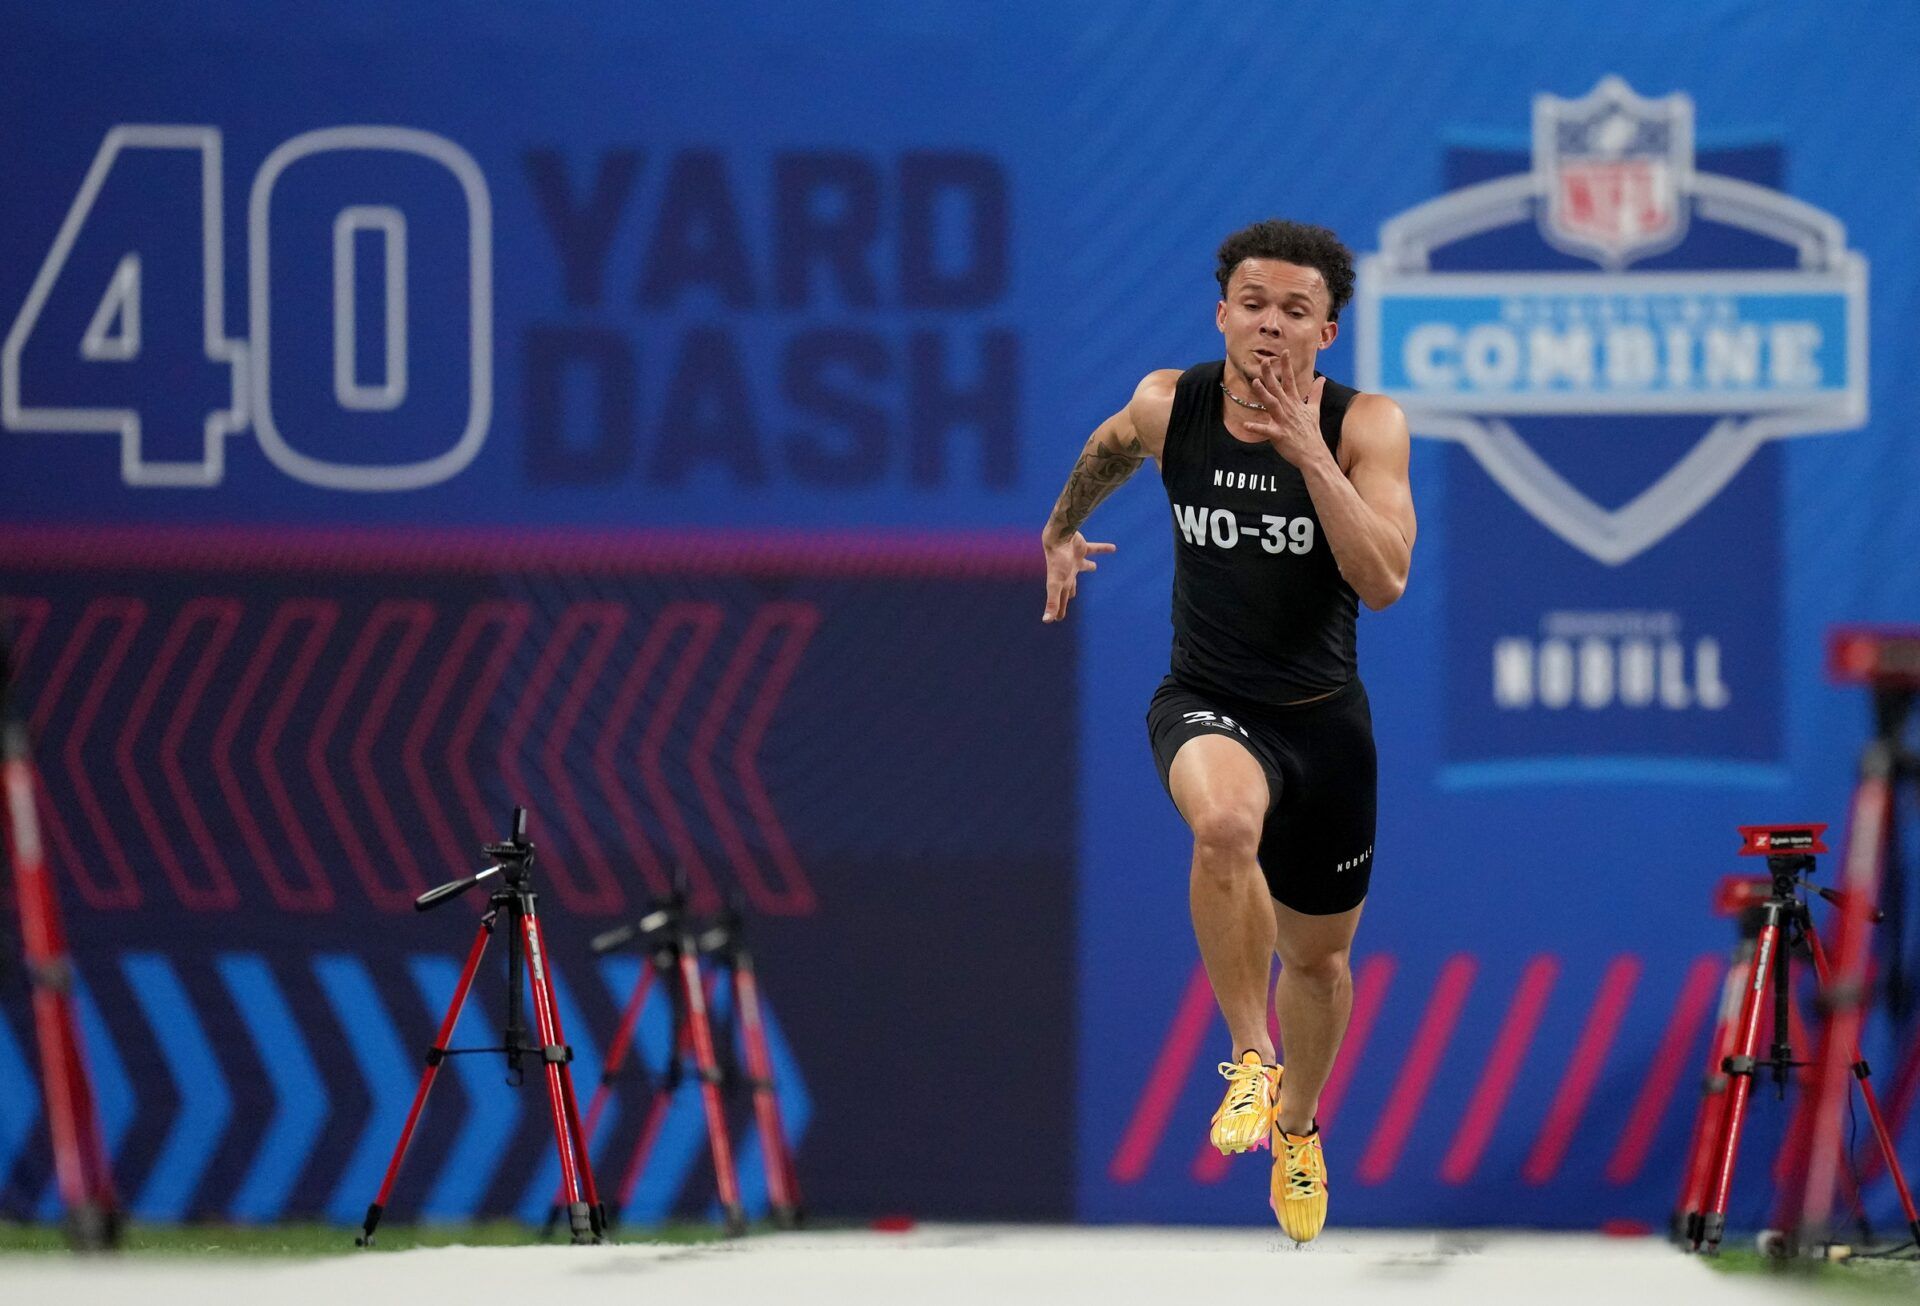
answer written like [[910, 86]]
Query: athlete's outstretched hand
[[1065, 561], [1292, 420]]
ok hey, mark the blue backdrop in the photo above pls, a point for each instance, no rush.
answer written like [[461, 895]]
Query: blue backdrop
[[339, 339]]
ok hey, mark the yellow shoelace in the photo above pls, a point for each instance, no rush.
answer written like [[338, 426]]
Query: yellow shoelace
[[1248, 1083], [1303, 1175]]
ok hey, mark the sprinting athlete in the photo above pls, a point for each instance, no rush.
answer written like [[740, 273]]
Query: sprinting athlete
[[1290, 508]]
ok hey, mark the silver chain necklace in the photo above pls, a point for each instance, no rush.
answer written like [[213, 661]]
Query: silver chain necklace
[[1244, 403]]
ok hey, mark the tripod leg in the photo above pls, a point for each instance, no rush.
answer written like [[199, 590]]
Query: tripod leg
[[1790, 1167], [93, 1150], [69, 1107], [707, 1060], [661, 1101], [94, 1222], [50, 1028], [583, 1149], [1887, 1153], [622, 1045], [566, 1137], [435, 1055], [1861, 1073], [616, 1061], [783, 1193], [80, 1166], [1709, 1121], [1845, 994], [1740, 1070], [657, 1109]]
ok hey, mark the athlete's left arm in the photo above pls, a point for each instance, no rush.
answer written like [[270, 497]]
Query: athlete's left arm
[[1364, 502], [1366, 507]]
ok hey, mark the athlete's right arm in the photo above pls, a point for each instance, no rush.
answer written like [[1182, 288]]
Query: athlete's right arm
[[1113, 452]]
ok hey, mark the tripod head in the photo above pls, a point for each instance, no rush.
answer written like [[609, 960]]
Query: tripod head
[[660, 923], [513, 856], [1788, 870], [722, 938], [512, 859], [1789, 850]]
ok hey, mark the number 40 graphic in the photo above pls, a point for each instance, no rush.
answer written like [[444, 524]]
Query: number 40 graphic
[[116, 335]]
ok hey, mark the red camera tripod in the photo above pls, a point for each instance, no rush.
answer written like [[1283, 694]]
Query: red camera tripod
[[80, 1163], [1776, 923], [513, 860], [674, 952]]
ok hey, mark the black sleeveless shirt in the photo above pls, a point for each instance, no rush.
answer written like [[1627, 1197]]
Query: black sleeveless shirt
[[1260, 610]]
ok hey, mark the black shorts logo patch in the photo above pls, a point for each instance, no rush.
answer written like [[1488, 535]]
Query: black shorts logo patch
[[1215, 719]]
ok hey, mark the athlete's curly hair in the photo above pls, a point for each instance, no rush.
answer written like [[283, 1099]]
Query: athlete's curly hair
[[1292, 242]]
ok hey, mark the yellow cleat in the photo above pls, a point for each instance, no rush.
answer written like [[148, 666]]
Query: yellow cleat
[[1298, 1192], [1246, 1113]]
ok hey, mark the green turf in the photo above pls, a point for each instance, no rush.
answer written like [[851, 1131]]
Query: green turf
[[323, 1239], [1871, 1279]]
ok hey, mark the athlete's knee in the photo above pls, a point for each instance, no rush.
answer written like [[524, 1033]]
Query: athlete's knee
[[1225, 837], [1321, 972]]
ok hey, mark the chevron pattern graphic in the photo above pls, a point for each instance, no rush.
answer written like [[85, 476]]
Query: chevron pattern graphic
[[252, 763], [254, 1082], [174, 741]]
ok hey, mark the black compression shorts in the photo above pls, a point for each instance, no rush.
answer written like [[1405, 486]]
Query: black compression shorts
[[1316, 848]]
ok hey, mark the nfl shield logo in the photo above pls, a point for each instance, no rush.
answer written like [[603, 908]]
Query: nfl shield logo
[[1614, 170]]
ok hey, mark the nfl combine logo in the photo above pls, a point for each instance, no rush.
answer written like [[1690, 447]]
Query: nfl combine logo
[[1616, 167], [1615, 322]]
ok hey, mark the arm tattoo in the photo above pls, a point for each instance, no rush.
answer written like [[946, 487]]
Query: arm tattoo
[[1099, 473]]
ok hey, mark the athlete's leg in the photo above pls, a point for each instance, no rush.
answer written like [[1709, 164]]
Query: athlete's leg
[[1222, 793], [1312, 1000]]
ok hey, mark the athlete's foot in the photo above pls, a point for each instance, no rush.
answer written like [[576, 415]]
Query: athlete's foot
[[1246, 1113], [1298, 1191]]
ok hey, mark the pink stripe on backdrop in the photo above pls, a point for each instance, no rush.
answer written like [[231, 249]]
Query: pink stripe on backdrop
[[1509, 1050], [1008, 553], [1416, 1076], [26, 617], [1210, 1163], [1583, 1070], [1697, 993], [101, 669], [1168, 1076]]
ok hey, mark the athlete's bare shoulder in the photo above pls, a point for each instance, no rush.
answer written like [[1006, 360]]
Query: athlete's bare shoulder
[[1375, 454], [1374, 428], [1146, 415], [1373, 407]]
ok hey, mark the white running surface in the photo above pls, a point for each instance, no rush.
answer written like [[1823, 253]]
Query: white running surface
[[935, 1265]]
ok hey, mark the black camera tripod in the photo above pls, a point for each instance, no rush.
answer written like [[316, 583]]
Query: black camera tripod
[[512, 861]]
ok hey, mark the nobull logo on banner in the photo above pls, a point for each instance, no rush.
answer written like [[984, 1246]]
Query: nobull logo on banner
[[1615, 324]]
